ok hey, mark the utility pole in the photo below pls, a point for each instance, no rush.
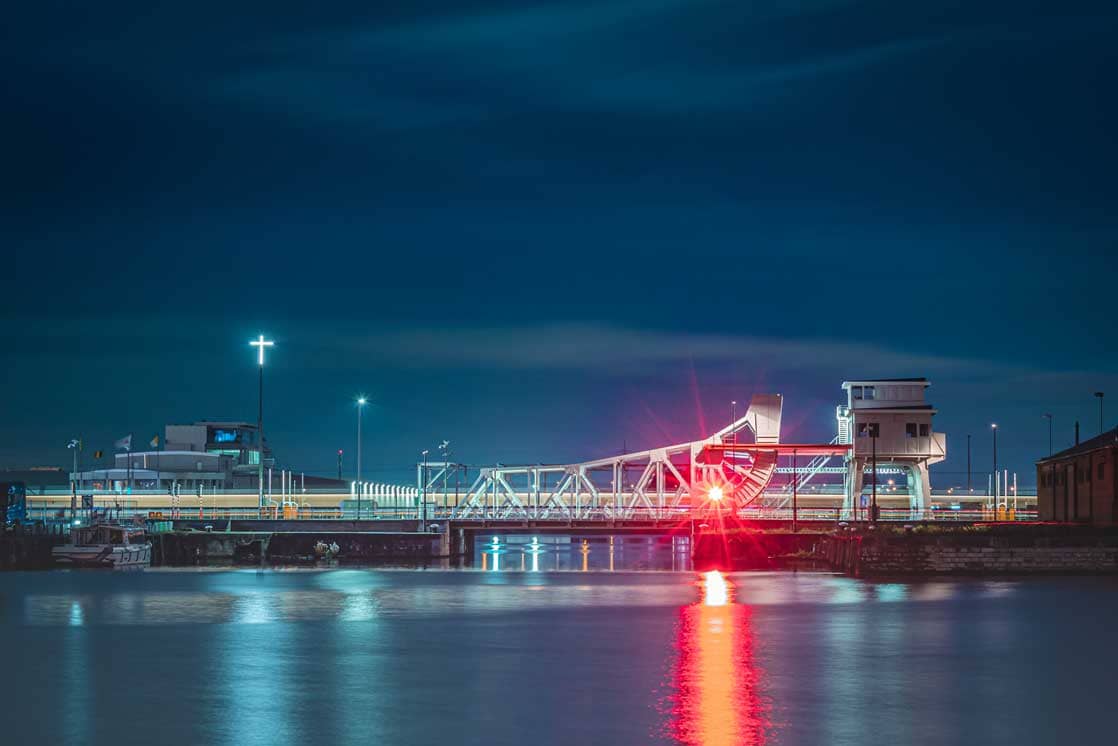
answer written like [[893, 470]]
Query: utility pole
[[260, 344], [1100, 395], [339, 464]]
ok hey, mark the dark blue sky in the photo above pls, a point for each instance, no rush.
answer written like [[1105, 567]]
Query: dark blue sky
[[543, 230]]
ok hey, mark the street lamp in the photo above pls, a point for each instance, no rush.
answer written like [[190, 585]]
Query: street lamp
[[360, 405], [445, 448], [994, 428], [260, 344], [423, 495]]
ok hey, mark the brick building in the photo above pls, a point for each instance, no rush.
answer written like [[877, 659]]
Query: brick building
[[1080, 483]]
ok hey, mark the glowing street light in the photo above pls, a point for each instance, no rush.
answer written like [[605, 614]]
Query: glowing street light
[[260, 344], [361, 401], [716, 494], [994, 429]]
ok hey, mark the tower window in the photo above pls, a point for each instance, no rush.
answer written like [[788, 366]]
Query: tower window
[[910, 429]]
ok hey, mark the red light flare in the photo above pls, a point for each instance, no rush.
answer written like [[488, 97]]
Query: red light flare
[[715, 699]]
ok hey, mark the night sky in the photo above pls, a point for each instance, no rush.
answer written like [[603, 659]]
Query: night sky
[[548, 231]]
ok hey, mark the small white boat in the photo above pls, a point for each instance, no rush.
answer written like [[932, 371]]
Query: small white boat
[[103, 545]]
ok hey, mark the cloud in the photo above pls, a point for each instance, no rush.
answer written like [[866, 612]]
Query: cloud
[[607, 348], [454, 68]]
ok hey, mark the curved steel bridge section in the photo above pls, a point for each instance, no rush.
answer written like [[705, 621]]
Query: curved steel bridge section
[[728, 470]]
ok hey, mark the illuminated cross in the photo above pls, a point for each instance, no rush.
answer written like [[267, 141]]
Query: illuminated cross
[[262, 343]]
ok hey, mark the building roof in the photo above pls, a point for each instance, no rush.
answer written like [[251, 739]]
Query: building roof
[[1107, 439], [216, 423], [871, 381]]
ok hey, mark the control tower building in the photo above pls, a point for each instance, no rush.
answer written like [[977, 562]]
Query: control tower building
[[889, 419]]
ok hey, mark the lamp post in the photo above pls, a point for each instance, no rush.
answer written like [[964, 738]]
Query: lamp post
[[1048, 416], [795, 489], [873, 501], [968, 465], [445, 448], [994, 428], [1099, 395], [734, 434], [74, 445], [360, 406], [423, 495], [260, 344]]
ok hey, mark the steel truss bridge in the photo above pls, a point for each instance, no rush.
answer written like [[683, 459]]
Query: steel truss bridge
[[729, 471]]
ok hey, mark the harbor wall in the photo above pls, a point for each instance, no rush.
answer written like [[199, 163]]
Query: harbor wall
[[745, 549], [186, 548], [979, 550]]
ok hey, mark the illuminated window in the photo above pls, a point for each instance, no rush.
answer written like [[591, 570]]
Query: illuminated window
[[254, 457]]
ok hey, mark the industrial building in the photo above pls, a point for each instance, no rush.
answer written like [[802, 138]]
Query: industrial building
[[1080, 484], [889, 424], [207, 454]]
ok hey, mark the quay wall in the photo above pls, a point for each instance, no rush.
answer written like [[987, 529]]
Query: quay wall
[[183, 548], [745, 549], [31, 551], [981, 550]]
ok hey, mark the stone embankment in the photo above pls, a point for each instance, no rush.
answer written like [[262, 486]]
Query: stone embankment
[[992, 549]]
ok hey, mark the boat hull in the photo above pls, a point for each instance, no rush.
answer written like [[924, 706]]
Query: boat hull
[[117, 556]]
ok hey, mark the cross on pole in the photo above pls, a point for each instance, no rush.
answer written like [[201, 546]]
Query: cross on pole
[[261, 344]]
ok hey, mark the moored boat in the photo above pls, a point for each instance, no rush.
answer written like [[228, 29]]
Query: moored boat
[[104, 545]]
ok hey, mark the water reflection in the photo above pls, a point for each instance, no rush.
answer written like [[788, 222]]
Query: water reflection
[[715, 680], [575, 553]]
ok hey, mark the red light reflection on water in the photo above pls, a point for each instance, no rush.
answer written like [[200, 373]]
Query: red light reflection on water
[[715, 698]]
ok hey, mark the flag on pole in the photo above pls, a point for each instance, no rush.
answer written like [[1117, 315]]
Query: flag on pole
[[155, 442], [124, 444]]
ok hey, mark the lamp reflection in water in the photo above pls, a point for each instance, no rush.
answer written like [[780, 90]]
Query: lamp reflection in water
[[715, 699]]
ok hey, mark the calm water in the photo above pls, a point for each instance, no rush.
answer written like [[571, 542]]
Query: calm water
[[354, 656]]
